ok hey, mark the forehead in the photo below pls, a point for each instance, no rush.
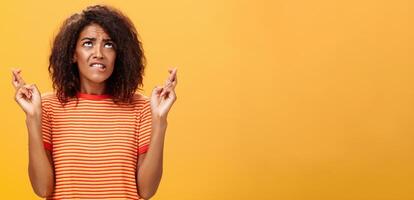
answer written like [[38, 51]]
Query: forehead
[[93, 31]]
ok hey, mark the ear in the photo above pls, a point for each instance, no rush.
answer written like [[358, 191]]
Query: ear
[[74, 59]]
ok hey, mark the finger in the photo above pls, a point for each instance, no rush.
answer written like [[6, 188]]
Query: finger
[[171, 76], [172, 95], [169, 83], [16, 70], [22, 92], [14, 75], [14, 81], [174, 73], [164, 90], [19, 78], [175, 77], [171, 69], [156, 91], [169, 88], [164, 94], [35, 90], [167, 92], [28, 90], [174, 82], [19, 94]]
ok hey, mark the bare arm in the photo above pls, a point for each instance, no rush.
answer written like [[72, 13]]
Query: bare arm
[[40, 160], [150, 164]]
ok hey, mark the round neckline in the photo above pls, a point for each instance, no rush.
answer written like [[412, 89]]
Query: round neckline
[[93, 96]]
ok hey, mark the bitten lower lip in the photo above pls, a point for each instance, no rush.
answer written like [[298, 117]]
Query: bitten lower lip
[[100, 69], [98, 66]]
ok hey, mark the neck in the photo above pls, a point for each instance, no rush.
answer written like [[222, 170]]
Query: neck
[[92, 88]]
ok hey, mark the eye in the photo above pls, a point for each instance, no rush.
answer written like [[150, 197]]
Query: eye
[[87, 44], [109, 45]]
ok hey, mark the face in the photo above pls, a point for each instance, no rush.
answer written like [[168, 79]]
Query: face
[[95, 55]]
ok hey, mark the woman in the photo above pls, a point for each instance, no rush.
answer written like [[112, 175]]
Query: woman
[[94, 136]]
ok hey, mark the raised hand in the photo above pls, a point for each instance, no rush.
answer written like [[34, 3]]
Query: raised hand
[[27, 95], [163, 98]]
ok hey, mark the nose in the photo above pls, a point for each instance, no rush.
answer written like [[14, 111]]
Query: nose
[[98, 52]]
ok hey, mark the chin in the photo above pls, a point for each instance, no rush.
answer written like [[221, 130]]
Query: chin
[[98, 79]]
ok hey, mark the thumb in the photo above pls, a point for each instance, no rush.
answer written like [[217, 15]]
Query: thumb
[[157, 90], [34, 88]]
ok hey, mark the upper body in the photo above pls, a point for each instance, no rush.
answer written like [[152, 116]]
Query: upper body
[[95, 135], [95, 144]]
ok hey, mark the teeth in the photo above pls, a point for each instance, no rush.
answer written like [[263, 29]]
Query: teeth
[[97, 65]]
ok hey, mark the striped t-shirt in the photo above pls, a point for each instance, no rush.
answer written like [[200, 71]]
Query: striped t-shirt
[[95, 145]]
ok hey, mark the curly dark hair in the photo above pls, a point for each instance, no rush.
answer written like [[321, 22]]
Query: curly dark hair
[[128, 72]]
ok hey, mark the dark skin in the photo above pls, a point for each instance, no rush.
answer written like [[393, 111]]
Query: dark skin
[[95, 57], [40, 160]]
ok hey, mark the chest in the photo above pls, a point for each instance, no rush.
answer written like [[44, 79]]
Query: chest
[[94, 136]]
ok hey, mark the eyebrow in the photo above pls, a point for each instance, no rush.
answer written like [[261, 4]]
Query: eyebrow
[[94, 39]]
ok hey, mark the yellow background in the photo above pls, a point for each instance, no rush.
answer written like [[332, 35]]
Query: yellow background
[[287, 99]]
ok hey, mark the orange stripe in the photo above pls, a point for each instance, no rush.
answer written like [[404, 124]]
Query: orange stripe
[[95, 145]]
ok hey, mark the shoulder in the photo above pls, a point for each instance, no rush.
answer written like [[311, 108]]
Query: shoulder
[[47, 101], [49, 98], [141, 102], [48, 95], [140, 98]]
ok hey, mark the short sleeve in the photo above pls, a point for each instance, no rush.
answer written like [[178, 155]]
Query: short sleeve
[[144, 127], [46, 126]]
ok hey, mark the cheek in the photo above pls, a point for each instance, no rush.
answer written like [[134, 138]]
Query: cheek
[[111, 59], [81, 56], [112, 56]]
